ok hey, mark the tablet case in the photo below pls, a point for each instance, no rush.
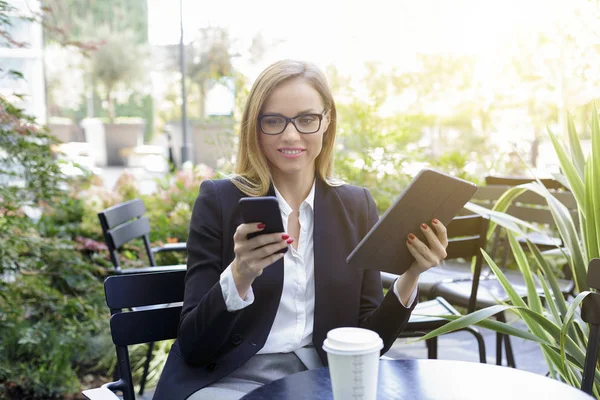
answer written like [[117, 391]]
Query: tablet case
[[431, 194]]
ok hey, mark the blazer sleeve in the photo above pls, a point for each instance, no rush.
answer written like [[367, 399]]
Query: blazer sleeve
[[384, 315], [205, 323]]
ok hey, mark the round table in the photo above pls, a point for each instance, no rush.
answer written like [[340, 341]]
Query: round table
[[428, 379]]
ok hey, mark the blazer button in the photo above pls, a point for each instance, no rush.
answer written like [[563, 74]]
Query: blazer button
[[212, 366], [236, 339]]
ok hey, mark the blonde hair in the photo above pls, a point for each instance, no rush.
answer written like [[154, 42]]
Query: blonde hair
[[251, 174]]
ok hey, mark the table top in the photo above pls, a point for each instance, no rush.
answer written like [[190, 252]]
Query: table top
[[428, 379]]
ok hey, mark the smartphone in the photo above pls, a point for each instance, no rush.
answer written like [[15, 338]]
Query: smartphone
[[265, 210]]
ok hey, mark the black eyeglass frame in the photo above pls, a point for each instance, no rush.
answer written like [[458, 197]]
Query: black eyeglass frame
[[293, 121]]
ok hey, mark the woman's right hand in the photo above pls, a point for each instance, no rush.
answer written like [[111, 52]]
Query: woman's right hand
[[252, 256]]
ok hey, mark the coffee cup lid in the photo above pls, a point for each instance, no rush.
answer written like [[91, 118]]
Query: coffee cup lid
[[352, 341]]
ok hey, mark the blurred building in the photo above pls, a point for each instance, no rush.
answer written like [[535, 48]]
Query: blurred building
[[27, 59]]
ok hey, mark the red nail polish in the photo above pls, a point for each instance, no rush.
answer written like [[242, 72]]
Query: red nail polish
[[409, 242], [411, 236], [290, 241], [423, 226], [261, 226], [285, 237], [435, 221]]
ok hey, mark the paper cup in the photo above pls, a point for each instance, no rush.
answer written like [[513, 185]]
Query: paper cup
[[353, 356]]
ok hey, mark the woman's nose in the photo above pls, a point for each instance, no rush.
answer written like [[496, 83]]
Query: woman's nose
[[290, 132]]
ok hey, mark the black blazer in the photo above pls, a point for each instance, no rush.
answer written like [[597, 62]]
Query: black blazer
[[213, 342]]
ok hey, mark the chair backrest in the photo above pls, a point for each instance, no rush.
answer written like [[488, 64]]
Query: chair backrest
[[466, 235], [529, 206], [514, 181], [122, 223], [466, 238], [132, 322]]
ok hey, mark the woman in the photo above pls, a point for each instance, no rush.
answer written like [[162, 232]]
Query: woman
[[250, 314]]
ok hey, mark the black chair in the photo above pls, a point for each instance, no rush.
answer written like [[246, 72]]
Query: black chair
[[121, 224], [590, 313], [133, 322], [125, 222]]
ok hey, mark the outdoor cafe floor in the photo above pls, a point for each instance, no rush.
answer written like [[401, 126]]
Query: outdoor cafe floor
[[462, 346]]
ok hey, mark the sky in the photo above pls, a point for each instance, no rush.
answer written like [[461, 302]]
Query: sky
[[348, 32]]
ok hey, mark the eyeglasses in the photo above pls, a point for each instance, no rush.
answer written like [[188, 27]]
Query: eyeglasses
[[275, 124]]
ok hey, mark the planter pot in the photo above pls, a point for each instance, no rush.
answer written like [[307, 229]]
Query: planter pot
[[120, 136], [63, 129], [210, 141]]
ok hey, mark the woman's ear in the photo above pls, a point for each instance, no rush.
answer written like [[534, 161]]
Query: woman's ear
[[326, 120]]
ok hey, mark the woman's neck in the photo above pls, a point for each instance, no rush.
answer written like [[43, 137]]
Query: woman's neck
[[294, 188]]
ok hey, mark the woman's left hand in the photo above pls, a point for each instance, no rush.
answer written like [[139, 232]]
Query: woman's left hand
[[428, 256]]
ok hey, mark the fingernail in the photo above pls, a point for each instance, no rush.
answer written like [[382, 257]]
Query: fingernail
[[435, 221], [285, 237], [261, 226], [411, 236], [423, 226], [290, 241], [409, 242]]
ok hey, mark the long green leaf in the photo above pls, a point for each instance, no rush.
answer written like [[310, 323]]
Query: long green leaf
[[575, 181], [589, 229], [527, 314], [550, 276], [462, 322], [555, 361], [595, 161], [568, 319], [512, 294], [532, 295], [575, 146], [499, 218], [515, 298], [568, 233], [555, 331], [481, 318], [502, 204], [550, 300]]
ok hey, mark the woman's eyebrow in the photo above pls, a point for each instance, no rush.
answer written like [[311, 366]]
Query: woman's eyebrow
[[309, 111]]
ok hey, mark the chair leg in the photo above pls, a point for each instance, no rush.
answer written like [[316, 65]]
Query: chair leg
[[498, 348], [432, 348], [146, 368], [116, 374], [480, 344], [510, 357]]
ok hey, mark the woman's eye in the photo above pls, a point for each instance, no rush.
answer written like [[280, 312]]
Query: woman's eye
[[272, 121], [307, 120]]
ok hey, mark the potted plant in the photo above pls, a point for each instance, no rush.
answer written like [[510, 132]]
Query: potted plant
[[554, 323]]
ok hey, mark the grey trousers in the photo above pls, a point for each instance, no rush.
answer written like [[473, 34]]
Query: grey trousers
[[259, 370]]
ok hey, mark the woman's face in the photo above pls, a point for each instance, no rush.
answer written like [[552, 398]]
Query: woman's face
[[292, 152]]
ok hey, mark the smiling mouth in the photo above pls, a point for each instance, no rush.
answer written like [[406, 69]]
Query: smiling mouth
[[291, 152]]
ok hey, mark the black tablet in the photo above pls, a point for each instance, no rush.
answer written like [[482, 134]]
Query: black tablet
[[431, 194]]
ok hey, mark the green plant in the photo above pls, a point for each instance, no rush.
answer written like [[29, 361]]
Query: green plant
[[552, 321], [51, 298], [117, 63]]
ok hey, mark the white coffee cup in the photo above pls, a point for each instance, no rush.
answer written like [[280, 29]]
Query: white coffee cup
[[353, 356]]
